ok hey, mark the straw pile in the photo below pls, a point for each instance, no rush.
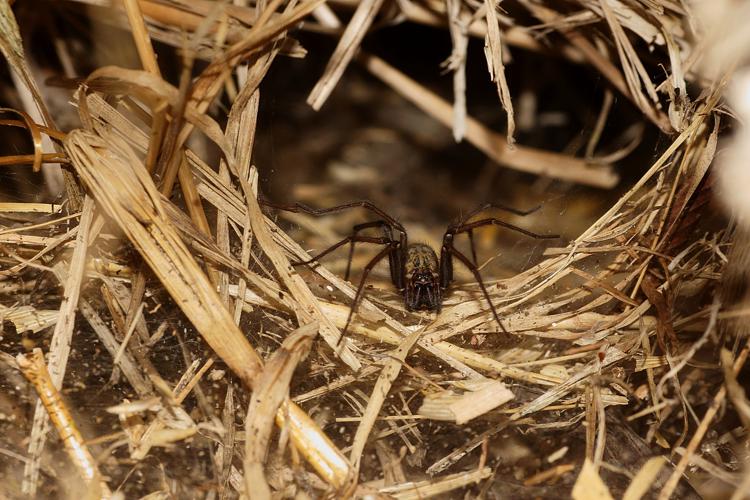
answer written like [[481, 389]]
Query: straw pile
[[621, 370]]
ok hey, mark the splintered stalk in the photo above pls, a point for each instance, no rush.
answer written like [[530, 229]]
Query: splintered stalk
[[35, 370]]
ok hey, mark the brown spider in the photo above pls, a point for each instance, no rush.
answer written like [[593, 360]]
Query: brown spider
[[416, 271]]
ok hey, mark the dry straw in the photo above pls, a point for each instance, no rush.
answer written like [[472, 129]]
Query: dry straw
[[590, 314]]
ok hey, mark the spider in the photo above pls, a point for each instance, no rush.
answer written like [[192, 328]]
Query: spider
[[416, 271]]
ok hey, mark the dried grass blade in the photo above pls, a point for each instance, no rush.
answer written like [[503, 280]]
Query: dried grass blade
[[61, 343], [313, 444], [36, 136], [140, 36], [613, 355], [693, 176], [735, 390], [493, 49], [33, 367], [494, 145], [127, 364], [345, 50], [644, 479], [589, 486], [123, 187], [213, 76], [118, 180], [271, 388], [700, 432], [388, 375], [240, 131], [457, 454], [676, 87], [309, 309], [442, 485], [12, 48], [152, 90], [225, 451], [597, 226], [600, 62], [635, 73], [457, 63]]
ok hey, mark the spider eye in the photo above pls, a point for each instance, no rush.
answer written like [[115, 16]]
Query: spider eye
[[423, 279]]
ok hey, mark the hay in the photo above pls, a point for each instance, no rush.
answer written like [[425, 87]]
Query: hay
[[627, 330]]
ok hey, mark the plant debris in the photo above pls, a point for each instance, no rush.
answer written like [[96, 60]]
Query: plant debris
[[170, 335]]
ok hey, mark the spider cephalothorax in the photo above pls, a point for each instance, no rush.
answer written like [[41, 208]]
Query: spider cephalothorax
[[416, 271], [422, 281]]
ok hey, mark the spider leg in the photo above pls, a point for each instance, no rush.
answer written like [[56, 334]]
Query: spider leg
[[395, 249], [469, 227], [396, 258], [446, 261], [463, 226], [448, 251], [470, 235], [446, 264], [349, 239], [493, 221], [361, 287], [360, 227], [301, 207], [499, 206], [477, 276]]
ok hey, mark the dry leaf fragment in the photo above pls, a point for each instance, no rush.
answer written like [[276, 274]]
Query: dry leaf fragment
[[589, 486], [483, 396], [644, 479], [28, 318]]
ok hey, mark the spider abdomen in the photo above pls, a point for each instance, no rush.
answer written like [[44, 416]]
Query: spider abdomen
[[422, 279]]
